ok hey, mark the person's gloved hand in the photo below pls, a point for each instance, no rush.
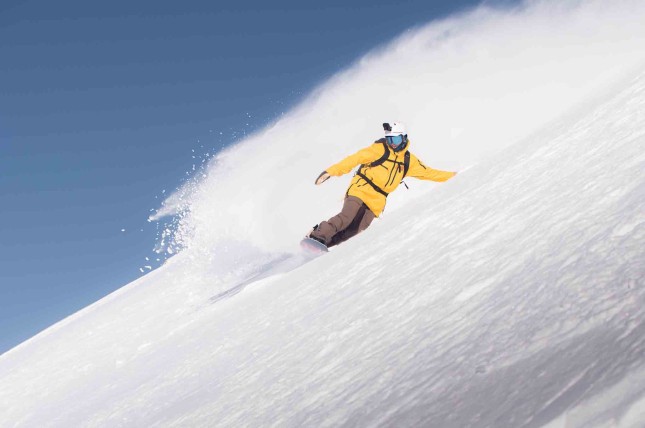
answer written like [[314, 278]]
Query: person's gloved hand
[[324, 176]]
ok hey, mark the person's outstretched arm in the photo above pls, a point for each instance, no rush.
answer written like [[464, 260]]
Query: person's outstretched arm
[[420, 171], [366, 155]]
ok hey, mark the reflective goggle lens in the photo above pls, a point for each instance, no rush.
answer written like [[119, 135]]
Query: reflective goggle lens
[[394, 140]]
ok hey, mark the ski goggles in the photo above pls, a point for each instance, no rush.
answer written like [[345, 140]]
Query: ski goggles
[[395, 140]]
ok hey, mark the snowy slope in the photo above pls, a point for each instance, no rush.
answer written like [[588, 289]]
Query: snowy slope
[[513, 295], [516, 296]]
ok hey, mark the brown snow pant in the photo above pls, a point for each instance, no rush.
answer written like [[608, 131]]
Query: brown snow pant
[[353, 218]]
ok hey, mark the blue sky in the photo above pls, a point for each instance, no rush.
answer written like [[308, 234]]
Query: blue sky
[[104, 106]]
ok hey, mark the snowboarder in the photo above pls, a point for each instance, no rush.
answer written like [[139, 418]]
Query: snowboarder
[[383, 165]]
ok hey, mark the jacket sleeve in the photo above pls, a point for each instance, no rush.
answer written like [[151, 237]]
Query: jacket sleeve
[[366, 155], [419, 170]]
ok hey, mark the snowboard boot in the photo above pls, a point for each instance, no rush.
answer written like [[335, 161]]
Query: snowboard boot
[[310, 235]]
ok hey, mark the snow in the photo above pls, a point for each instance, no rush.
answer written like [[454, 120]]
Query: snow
[[512, 295]]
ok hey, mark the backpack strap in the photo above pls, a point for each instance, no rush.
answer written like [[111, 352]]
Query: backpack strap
[[384, 156], [371, 183], [406, 164], [380, 161], [377, 162]]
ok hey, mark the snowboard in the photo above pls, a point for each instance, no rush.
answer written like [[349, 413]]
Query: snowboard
[[312, 246]]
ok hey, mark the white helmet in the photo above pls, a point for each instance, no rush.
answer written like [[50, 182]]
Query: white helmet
[[394, 128], [396, 136]]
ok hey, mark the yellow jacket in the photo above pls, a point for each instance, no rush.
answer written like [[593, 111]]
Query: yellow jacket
[[385, 177]]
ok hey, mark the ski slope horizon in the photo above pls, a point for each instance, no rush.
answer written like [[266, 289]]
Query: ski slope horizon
[[509, 296]]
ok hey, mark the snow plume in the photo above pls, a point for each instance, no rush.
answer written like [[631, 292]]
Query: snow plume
[[467, 87]]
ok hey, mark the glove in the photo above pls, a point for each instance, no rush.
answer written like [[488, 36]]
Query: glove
[[324, 176]]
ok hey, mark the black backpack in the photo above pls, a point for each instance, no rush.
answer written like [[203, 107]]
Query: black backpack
[[386, 154], [380, 161]]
